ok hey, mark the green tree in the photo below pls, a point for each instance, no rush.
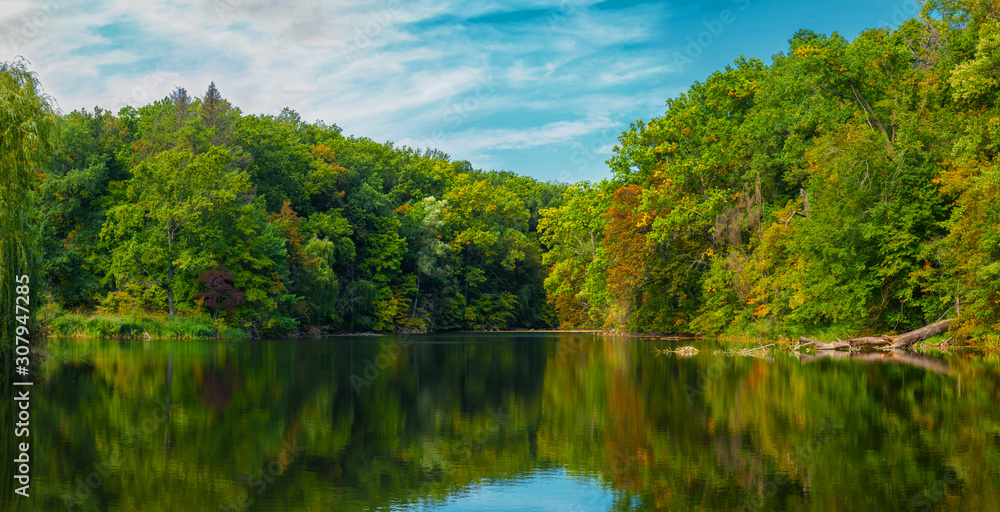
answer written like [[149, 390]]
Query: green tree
[[74, 198], [159, 230], [26, 128], [574, 233], [968, 274]]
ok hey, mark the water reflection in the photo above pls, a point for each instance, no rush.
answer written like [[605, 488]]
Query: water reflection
[[502, 422], [542, 490]]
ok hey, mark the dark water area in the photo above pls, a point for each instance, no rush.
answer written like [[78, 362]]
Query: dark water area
[[504, 422]]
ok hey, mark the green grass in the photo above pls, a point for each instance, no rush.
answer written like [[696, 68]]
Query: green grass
[[991, 342], [142, 326]]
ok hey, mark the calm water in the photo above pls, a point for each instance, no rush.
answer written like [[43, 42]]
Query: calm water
[[503, 423]]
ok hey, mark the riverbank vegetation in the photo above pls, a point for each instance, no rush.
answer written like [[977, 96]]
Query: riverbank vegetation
[[847, 186], [142, 326], [269, 224]]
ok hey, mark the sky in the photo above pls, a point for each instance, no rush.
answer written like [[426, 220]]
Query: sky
[[542, 88]]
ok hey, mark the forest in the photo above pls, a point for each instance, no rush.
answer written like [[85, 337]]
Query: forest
[[276, 226], [848, 185]]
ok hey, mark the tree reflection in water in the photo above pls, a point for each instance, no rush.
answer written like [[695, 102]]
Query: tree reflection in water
[[606, 423]]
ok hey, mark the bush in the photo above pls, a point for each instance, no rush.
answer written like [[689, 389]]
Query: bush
[[65, 325], [100, 327], [189, 327], [133, 297]]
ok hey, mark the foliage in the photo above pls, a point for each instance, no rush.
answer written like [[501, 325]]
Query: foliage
[[847, 185], [574, 233], [219, 291], [71, 325], [26, 124], [314, 230]]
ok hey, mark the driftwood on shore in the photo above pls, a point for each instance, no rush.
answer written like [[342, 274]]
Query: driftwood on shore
[[898, 341]]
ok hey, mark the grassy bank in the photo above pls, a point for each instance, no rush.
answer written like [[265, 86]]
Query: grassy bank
[[142, 326]]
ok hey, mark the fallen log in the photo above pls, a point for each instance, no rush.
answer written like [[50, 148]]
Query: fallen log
[[898, 341], [890, 356]]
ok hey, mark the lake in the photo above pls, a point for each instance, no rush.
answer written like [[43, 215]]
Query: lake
[[507, 422]]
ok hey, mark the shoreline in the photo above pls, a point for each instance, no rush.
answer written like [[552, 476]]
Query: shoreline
[[150, 327]]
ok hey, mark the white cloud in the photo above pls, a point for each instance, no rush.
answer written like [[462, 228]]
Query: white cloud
[[480, 142], [552, 81]]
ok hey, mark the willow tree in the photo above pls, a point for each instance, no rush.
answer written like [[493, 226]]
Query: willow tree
[[26, 124]]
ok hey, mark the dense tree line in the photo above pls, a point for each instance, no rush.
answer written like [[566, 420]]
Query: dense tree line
[[847, 185], [279, 226]]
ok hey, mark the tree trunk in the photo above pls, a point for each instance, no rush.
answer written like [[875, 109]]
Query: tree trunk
[[897, 341], [413, 312], [170, 300], [168, 285]]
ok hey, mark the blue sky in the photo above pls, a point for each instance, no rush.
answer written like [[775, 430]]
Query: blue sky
[[538, 87]]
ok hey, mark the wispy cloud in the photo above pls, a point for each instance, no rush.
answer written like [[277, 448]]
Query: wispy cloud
[[480, 80], [477, 79]]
